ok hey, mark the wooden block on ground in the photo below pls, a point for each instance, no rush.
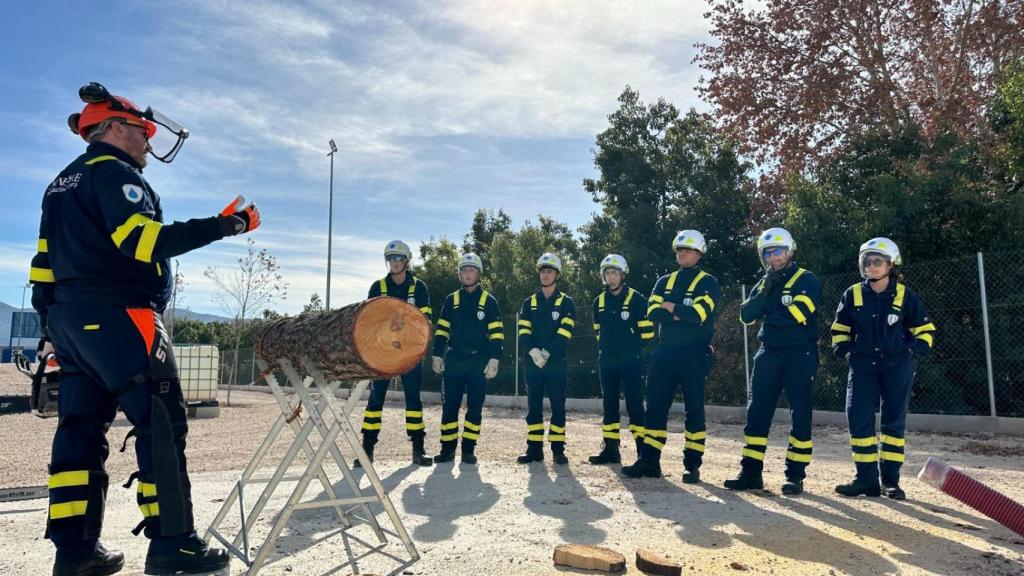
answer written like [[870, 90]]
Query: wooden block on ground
[[589, 558], [649, 562]]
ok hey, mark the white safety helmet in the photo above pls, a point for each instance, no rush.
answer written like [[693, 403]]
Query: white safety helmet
[[549, 260], [397, 248], [470, 259], [774, 238], [881, 246], [690, 239], [616, 261]]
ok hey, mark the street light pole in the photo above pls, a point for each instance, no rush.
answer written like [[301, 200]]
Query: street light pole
[[21, 311], [330, 226]]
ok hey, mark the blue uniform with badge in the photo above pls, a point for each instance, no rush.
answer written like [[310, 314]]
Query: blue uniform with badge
[[414, 291], [681, 360], [101, 279], [546, 323], [883, 333], [788, 358]]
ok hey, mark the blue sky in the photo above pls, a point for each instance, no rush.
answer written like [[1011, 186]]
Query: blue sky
[[438, 108]]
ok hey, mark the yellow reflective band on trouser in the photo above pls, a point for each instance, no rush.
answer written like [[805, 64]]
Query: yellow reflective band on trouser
[[756, 455], [369, 426], [149, 510], [804, 458], [68, 509], [41, 275], [612, 426], [147, 489], [470, 431], [652, 442], [377, 413], [638, 431], [534, 437], [564, 332], [837, 338], [802, 444], [756, 440], [892, 456], [448, 437], [470, 426], [556, 437], [556, 429], [873, 457], [865, 441], [414, 413], [467, 435], [893, 441], [694, 446], [443, 323], [414, 426], [450, 426], [695, 435], [610, 434], [65, 479], [797, 314], [837, 327], [535, 427]]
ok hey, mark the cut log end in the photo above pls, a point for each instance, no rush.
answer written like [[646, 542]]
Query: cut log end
[[589, 558], [650, 562], [391, 336]]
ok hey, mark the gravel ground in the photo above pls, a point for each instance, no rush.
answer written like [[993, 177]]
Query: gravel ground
[[503, 518]]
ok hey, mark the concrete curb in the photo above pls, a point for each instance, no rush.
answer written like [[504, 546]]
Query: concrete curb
[[940, 423]]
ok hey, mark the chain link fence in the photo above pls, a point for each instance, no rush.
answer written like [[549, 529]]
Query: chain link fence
[[966, 374]]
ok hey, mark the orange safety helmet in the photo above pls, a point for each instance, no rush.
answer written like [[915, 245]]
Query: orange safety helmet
[[98, 109]]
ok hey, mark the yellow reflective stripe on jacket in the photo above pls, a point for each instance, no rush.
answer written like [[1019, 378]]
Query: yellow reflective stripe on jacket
[[923, 328], [600, 302], [455, 299], [41, 275], [533, 301], [837, 327], [696, 279], [671, 281], [805, 300], [483, 299], [147, 241], [901, 292], [98, 159], [629, 297], [837, 338], [799, 272], [858, 296], [797, 314], [383, 287], [568, 320]]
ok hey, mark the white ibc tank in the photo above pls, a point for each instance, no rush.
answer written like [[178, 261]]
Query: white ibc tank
[[199, 369]]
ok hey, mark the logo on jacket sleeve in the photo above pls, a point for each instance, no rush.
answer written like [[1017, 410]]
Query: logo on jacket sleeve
[[132, 193]]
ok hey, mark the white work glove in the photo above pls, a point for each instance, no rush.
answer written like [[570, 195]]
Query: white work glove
[[538, 357], [547, 355], [437, 363], [491, 370]]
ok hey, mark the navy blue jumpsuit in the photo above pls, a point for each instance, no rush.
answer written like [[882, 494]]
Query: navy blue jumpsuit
[[414, 291], [788, 358], [883, 333], [548, 324]]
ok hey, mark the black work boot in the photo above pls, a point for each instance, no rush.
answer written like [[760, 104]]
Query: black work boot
[[418, 455], [558, 457], [859, 488], [893, 491], [368, 444], [639, 446], [100, 563], [609, 453], [643, 469], [691, 475], [745, 481], [447, 454], [793, 487], [183, 555], [468, 454], [534, 453]]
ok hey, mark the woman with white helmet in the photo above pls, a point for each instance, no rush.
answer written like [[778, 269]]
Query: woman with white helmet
[[399, 283], [546, 323], [785, 301], [470, 329], [683, 305], [881, 328], [622, 327]]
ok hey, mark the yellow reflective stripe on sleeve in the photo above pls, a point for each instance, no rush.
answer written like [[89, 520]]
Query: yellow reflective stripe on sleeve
[[694, 446], [803, 444], [893, 441], [923, 328], [564, 332], [647, 335], [144, 250], [596, 326], [806, 301], [927, 338], [795, 457], [569, 321], [91, 327], [493, 325], [443, 323], [525, 331], [893, 456], [645, 324], [753, 454], [901, 292], [840, 338], [657, 299], [147, 489], [440, 332], [526, 323], [837, 327], [695, 435], [793, 279], [866, 441], [858, 296], [97, 159], [756, 440], [65, 479], [699, 309], [873, 457], [696, 279], [41, 275], [122, 231], [652, 308], [797, 314], [706, 298], [42, 246], [68, 509]]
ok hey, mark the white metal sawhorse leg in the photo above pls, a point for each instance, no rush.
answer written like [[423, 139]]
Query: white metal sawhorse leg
[[317, 405]]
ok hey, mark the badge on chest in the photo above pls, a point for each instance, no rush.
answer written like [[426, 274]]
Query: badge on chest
[[893, 319], [625, 314], [555, 315], [479, 314], [787, 300]]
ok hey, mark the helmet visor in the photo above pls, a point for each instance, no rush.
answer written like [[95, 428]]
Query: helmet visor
[[169, 137]]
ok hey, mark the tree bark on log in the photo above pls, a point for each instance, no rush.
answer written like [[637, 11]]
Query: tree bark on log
[[377, 338], [650, 562]]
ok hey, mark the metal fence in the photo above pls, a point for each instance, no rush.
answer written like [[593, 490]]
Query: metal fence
[[976, 367]]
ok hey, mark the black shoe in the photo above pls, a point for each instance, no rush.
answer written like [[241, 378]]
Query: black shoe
[[691, 476], [468, 457], [859, 488], [445, 456], [642, 469], [894, 492], [418, 455], [793, 487], [532, 454], [101, 563], [745, 481], [183, 555], [609, 454], [368, 448], [559, 458], [639, 446]]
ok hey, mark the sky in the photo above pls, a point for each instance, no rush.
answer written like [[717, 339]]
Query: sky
[[438, 109]]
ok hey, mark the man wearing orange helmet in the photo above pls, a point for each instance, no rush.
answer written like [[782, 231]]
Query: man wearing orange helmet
[[100, 282]]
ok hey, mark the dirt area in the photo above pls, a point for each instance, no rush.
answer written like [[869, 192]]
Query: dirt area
[[502, 518]]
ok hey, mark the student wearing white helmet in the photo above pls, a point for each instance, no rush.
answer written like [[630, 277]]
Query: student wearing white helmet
[[785, 300], [546, 324], [622, 327], [881, 328], [467, 345], [683, 305], [399, 283]]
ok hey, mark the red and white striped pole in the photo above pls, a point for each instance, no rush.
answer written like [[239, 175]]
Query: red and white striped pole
[[995, 505]]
